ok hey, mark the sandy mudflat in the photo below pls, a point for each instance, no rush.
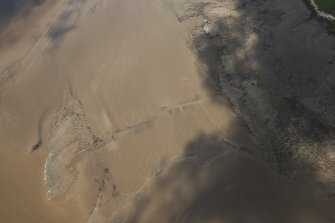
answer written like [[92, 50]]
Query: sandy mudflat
[[110, 115], [113, 95], [23, 193]]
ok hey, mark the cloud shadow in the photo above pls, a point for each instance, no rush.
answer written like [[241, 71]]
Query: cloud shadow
[[276, 68]]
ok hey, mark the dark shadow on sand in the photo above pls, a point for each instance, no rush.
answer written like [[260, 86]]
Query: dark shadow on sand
[[240, 186], [10, 9]]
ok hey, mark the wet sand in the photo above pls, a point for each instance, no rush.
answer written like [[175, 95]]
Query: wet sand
[[118, 99], [113, 95], [23, 192], [22, 28], [22, 188]]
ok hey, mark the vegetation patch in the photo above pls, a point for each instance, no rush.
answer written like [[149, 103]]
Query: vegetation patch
[[325, 5]]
